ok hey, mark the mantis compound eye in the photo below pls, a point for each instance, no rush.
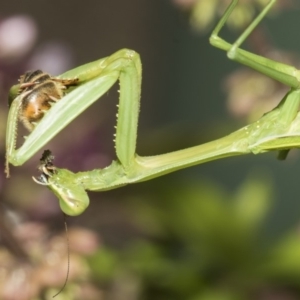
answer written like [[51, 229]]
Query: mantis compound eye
[[73, 199]]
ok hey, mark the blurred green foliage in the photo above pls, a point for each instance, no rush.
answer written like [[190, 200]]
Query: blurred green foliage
[[202, 242]]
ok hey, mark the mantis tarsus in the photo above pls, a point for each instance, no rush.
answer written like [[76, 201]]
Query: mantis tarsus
[[279, 129]]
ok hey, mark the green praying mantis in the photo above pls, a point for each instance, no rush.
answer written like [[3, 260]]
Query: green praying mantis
[[278, 129]]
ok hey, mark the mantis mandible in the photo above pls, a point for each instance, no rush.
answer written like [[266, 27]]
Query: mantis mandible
[[278, 129]]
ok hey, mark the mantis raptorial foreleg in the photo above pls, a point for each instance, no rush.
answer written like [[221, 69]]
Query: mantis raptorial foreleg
[[94, 80], [276, 130]]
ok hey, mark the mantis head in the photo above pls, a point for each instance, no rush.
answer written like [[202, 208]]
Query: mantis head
[[73, 199]]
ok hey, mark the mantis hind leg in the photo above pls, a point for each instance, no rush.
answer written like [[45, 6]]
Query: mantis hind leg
[[283, 73]]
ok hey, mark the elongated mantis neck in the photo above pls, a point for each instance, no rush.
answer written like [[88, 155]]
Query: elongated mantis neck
[[145, 168], [264, 135], [234, 144]]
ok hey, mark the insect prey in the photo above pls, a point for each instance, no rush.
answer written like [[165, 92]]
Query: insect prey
[[39, 90]]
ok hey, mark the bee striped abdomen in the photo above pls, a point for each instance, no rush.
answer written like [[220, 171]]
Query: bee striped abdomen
[[32, 76], [39, 89]]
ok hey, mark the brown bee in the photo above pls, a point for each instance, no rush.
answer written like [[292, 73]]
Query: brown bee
[[39, 91]]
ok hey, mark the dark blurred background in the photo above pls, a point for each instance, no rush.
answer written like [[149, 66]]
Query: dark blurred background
[[223, 230]]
